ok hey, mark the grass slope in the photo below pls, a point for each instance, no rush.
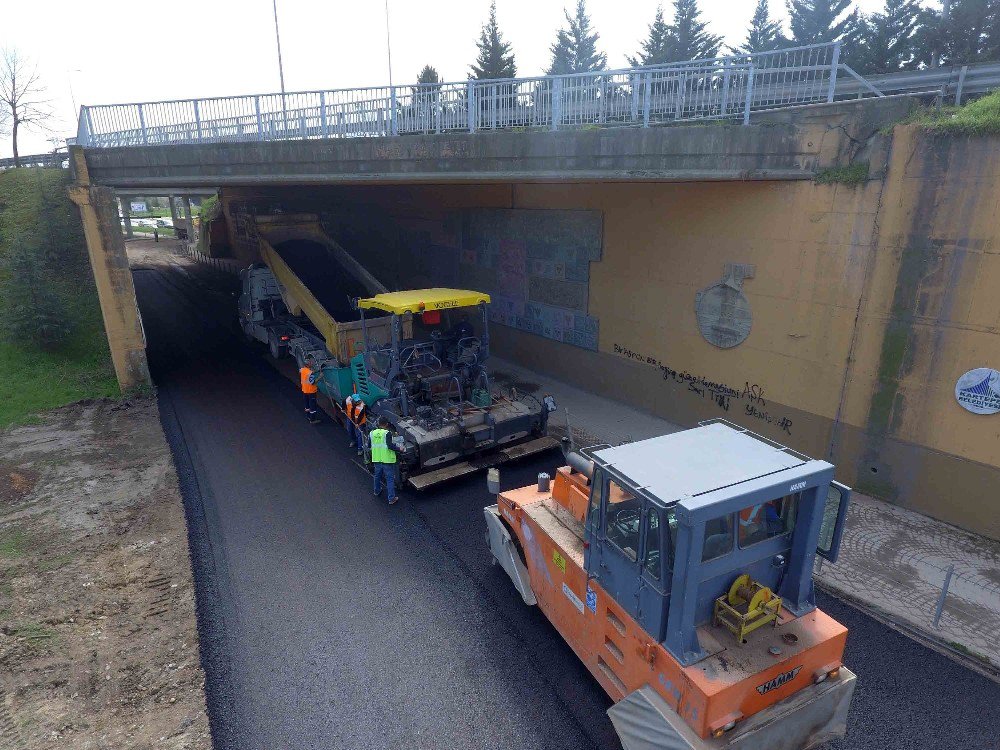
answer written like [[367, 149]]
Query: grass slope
[[34, 201], [979, 117]]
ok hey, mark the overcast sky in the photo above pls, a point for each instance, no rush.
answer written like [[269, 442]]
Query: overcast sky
[[110, 52]]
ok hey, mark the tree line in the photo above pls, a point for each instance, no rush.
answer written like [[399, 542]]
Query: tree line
[[903, 35]]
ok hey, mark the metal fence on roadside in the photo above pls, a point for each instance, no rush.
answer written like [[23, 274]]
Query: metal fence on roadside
[[723, 88]]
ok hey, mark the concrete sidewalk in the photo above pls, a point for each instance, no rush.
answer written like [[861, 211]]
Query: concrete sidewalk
[[893, 562]]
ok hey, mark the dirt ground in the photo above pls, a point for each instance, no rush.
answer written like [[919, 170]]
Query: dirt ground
[[98, 640]]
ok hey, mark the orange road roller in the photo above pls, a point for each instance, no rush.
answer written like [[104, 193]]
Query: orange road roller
[[679, 569]]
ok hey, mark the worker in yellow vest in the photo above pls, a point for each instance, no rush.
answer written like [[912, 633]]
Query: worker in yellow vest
[[308, 377], [384, 460]]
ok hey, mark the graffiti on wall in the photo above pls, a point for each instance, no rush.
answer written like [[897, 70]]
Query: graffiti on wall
[[535, 264], [746, 400]]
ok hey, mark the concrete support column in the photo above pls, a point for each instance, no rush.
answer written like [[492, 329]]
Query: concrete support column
[[173, 210], [126, 216], [187, 218], [106, 248]]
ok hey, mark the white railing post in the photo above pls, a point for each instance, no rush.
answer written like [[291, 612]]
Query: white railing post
[[197, 118], [647, 95], [635, 97], [471, 103], [556, 102], [961, 84], [726, 75], [324, 127], [834, 68], [260, 124], [749, 99], [681, 91], [437, 110], [602, 113], [142, 126], [393, 125]]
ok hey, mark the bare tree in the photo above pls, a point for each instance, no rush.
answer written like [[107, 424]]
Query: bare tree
[[22, 96]]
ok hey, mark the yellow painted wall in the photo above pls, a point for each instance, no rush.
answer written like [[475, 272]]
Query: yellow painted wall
[[664, 242], [868, 303], [932, 313]]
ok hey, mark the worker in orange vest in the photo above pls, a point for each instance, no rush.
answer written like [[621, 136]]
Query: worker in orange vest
[[357, 417], [308, 377]]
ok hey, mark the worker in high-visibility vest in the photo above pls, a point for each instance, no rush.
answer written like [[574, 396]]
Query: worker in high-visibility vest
[[357, 417], [384, 460], [760, 521], [308, 377]]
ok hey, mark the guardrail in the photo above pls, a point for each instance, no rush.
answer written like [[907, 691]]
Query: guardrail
[[54, 159], [950, 83], [723, 88]]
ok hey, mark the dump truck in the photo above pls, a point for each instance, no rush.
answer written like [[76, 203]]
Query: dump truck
[[679, 569], [416, 357]]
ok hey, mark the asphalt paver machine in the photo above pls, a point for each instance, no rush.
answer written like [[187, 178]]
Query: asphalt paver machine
[[433, 386], [679, 569]]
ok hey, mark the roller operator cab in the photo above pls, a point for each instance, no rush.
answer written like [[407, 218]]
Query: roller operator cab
[[679, 569]]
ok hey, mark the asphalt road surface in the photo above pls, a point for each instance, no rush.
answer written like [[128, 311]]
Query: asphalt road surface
[[329, 620]]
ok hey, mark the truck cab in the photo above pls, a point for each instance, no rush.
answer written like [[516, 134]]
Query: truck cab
[[680, 570], [262, 312]]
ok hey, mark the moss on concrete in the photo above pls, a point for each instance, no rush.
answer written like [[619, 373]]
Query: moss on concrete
[[851, 175]]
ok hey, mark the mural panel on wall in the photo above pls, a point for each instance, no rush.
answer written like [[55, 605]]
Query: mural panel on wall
[[536, 266]]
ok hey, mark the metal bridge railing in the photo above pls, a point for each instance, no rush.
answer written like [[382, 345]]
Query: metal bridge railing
[[53, 159], [723, 88]]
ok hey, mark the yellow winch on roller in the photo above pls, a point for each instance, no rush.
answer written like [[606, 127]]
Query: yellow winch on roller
[[746, 607]]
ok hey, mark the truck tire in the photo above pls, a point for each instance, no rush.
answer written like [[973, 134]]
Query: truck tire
[[275, 348]]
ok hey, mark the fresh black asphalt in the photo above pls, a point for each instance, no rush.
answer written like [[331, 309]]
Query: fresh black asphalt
[[329, 620]]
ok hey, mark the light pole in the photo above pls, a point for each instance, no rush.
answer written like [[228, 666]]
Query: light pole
[[72, 95], [388, 43], [277, 38]]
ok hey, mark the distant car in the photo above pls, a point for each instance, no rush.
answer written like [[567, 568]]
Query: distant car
[[161, 223]]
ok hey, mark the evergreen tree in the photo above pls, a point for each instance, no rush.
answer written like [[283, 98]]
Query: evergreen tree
[[575, 47], [654, 50], [820, 21], [688, 37], [887, 41], [764, 33], [495, 59], [428, 74], [967, 33]]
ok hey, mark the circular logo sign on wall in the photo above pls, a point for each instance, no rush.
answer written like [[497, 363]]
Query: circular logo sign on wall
[[979, 391], [723, 311]]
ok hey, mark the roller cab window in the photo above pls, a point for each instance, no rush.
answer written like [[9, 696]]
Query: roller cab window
[[763, 521], [624, 520]]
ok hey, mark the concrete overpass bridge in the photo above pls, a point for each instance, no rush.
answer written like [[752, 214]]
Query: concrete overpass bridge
[[597, 126], [735, 238]]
